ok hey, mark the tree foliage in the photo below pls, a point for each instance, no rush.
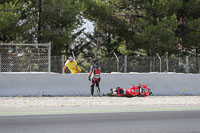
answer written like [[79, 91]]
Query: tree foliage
[[10, 14], [120, 26], [147, 24], [41, 21]]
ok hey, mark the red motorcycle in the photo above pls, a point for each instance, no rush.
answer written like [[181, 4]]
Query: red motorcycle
[[140, 90]]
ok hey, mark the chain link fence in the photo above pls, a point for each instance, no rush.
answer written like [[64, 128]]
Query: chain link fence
[[107, 64], [24, 57], [57, 63], [164, 64], [37, 58], [134, 64]]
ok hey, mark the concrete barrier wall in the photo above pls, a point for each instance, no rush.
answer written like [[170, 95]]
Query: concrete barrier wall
[[52, 84]]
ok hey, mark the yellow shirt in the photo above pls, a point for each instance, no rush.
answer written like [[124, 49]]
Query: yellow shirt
[[72, 66]]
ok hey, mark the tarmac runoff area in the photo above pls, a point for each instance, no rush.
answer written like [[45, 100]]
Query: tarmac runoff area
[[14, 106]]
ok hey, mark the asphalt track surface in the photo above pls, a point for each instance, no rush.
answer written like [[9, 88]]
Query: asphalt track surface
[[121, 122]]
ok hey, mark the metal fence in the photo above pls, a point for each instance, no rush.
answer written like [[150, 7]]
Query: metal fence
[[37, 58], [25, 58], [134, 64], [163, 64]]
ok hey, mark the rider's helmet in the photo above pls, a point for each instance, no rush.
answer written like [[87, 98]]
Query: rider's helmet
[[95, 60]]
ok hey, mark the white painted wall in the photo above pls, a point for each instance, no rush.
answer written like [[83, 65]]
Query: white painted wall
[[37, 84]]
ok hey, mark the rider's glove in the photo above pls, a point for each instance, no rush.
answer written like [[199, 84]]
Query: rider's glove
[[89, 78]]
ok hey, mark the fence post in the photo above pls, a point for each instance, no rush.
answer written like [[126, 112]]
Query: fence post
[[73, 56], [198, 64], [154, 64], [187, 64], [167, 62], [117, 61], [151, 64], [125, 63], [160, 62], [62, 62], [0, 62], [49, 58]]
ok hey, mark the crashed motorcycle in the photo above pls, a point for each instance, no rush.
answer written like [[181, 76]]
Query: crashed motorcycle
[[140, 90]]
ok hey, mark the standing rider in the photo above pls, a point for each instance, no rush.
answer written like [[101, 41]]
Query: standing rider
[[94, 76]]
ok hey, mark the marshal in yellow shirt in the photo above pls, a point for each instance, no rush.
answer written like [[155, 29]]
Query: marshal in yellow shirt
[[72, 66]]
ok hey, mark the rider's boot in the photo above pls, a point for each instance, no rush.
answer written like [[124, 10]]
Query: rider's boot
[[98, 92], [92, 90]]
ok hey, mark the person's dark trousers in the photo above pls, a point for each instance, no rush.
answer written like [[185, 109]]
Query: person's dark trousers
[[93, 83]]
